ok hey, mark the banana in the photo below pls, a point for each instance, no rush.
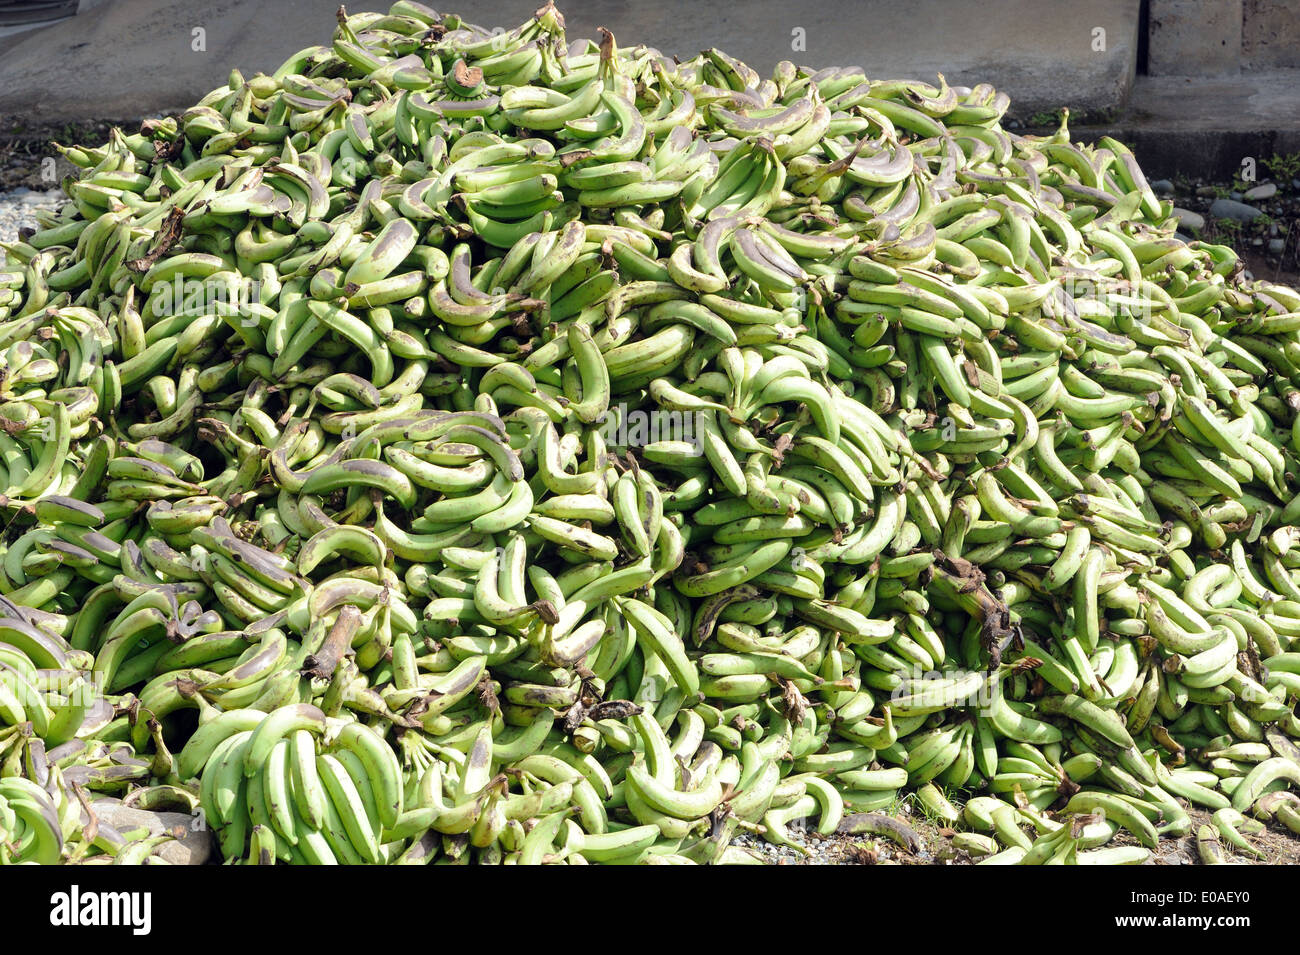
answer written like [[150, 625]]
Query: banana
[[277, 788], [381, 768], [346, 802], [275, 727], [675, 803], [308, 792], [594, 375]]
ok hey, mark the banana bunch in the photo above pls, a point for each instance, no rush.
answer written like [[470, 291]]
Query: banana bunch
[[47, 690], [44, 816], [29, 823], [469, 447], [273, 791]]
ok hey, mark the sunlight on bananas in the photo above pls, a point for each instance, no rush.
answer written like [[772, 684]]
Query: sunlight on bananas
[[472, 447]]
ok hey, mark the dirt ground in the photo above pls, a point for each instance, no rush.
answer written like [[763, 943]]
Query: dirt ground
[[24, 149]]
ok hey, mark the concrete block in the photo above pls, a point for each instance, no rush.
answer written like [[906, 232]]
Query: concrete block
[[1206, 126], [1194, 37], [1270, 34]]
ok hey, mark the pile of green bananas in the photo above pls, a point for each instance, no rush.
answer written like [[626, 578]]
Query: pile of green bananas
[[470, 447]]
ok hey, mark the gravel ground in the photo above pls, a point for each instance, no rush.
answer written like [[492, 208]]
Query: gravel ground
[[17, 207], [1261, 220], [27, 181], [1276, 844]]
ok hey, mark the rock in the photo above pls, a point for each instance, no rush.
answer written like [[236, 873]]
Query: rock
[[1207, 192], [1266, 190], [192, 846], [1235, 195], [1231, 209], [1295, 183], [1276, 246], [1188, 219], [1257, 241], [1163, 187]]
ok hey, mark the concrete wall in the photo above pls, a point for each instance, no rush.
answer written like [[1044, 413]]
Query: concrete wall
[[1222, 37], [126, 58], [1271, 34], [1201, 37]]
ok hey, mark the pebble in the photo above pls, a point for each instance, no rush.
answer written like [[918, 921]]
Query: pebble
[[1189, 219], [1163, 187], [1265, 190], [1231, 209], [1276, 246], [1207, 192]]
